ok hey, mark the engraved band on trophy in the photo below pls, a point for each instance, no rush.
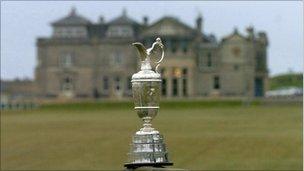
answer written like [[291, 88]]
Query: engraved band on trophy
[[148, 147]]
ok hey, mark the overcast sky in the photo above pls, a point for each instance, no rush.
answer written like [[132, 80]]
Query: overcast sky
[[23, 22]]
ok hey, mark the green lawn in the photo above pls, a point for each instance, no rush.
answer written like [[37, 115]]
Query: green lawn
[[198, 136]]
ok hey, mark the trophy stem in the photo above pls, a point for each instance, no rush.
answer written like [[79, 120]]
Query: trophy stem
[[147, 122], [147, 126]]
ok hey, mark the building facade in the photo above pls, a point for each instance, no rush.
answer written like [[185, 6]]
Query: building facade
[[82, 59]]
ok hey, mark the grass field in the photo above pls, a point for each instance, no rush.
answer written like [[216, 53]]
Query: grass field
[[204, 136]]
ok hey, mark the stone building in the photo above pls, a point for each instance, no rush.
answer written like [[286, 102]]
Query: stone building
[[82, 59], [17, 90]]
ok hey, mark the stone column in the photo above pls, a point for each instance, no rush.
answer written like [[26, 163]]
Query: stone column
[[180, 86], [190, 84]]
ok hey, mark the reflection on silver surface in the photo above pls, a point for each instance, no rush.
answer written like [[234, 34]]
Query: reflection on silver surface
[[148, 144]]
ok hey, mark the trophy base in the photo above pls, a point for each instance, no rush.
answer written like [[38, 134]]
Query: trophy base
[[136, 165], [148, 149]]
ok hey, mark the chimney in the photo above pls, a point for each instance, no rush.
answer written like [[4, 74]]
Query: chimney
[[262, 36], [235, 30], [73, 11], [250, 31], [199, 23], [145, 21], [124, 12]]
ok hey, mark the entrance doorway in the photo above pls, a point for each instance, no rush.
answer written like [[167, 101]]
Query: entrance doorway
[[258, 87], [67, 88]]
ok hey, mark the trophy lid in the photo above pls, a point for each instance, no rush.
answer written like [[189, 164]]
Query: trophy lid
[[146, 73]]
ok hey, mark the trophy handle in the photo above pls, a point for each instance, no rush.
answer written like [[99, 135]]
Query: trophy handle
[[161, 59], [145, 53], [160, 44]]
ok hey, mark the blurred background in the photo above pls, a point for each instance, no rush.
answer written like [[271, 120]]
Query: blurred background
[[231, 89]]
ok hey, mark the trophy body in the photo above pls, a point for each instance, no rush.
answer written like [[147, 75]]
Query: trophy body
[[147, 147]]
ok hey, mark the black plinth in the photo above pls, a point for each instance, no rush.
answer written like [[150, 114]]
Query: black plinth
[[136, 165]]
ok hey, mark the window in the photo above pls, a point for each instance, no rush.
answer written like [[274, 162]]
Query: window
[[185, 72], [174, 46], [184, 81], [113, 32], [70, 32], [117, 58], [236, 51], [67, 84], [168, 43], [66, 60], [120, 31], [184, 87], [117, 83], [216, 82], [260, 62], [175, 88], [164, 87], [209, 60], [184, 46], [236, 67], [201, 61], [129, 84], [177, 72], [105, 83], [162, 71], [125, 31], [95, 93], [67, 80]]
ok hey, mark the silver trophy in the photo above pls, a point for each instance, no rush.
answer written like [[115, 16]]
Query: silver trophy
[[147, 147]]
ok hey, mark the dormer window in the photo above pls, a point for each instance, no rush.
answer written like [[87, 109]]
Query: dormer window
[[117, 58], [121, 26], [120, 31], [66, 60], [70, 32], [71, 26]]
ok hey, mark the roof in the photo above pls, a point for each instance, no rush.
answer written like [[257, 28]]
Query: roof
[[234, 36], [72, 19], [169, 26], [97, 30], [122, 20]]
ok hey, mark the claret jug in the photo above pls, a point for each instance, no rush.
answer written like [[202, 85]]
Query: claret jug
[[148, 147]]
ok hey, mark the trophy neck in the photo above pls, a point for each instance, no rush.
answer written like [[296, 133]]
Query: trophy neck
[[146, 65]]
